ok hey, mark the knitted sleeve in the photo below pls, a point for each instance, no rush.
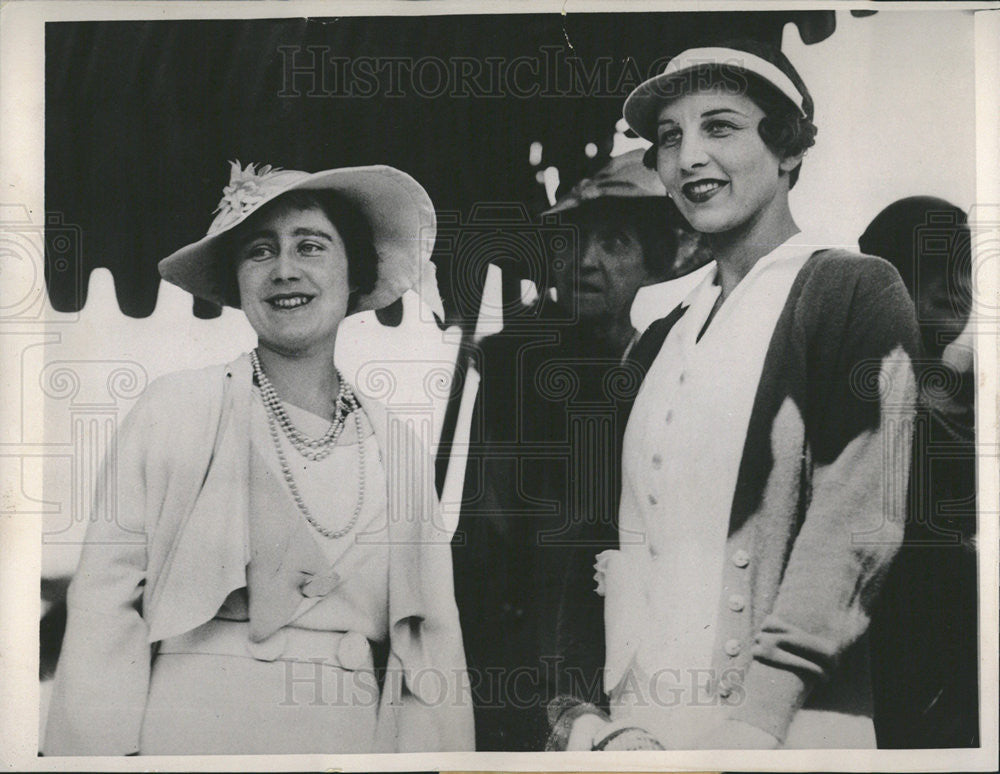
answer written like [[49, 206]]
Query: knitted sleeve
[[861, 392]]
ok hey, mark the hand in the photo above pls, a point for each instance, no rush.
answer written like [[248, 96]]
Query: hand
[[586, 730], [736, 735]]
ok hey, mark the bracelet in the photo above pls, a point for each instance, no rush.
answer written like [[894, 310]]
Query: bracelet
[[640, 739], [563, 712]]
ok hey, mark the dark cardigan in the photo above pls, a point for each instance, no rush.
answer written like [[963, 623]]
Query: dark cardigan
[[819, 504]]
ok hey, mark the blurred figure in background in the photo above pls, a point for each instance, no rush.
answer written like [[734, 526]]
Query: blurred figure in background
[[925, 635], [538, 501]]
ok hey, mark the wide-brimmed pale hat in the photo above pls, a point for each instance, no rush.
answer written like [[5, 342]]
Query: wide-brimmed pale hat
[[400, 213], [643, 104], [623, 177]]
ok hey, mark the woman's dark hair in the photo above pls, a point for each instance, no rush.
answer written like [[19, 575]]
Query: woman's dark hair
[[783, 129], [352, 225]]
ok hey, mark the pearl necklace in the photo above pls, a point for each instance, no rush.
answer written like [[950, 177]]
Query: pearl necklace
[[313, 449], [273, 421]]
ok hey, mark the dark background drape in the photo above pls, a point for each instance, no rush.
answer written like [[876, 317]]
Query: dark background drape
[[142, 117]]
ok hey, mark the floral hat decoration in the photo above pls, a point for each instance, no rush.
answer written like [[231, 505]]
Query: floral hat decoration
[[398, 209]]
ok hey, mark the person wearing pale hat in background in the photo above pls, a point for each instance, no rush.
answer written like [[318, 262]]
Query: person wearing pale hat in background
[[631, 236], [266, 572], [529, 623], [760, 510]]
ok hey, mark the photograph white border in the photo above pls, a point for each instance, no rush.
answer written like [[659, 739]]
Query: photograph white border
[[22, 175]]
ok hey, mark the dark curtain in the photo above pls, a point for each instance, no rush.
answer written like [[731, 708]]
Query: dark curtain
[[142, 117]]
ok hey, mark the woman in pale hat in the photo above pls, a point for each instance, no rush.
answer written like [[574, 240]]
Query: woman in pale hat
[[766, 454], [270, 575]]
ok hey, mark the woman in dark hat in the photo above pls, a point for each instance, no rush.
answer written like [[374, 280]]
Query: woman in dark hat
[[273, 532], [766, 454]]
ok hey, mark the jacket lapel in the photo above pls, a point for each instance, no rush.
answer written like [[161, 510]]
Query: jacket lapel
[[209, 550]]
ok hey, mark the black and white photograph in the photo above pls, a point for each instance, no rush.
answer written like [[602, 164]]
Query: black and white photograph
[[524, 386]]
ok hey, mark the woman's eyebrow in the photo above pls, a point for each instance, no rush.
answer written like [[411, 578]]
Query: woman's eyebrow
[[260, 234], [706, 114], [302, 231], [717, 111]]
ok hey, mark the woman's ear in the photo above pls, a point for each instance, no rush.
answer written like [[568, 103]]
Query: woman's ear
[[789, 163]]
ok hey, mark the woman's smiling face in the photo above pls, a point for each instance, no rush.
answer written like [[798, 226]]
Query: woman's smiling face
[[713, 162], [293, 278]]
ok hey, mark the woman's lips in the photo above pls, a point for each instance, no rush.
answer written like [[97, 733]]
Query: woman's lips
[[287, 301], [702, 190]]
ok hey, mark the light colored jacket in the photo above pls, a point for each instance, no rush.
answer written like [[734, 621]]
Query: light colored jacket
[[169, 540]]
